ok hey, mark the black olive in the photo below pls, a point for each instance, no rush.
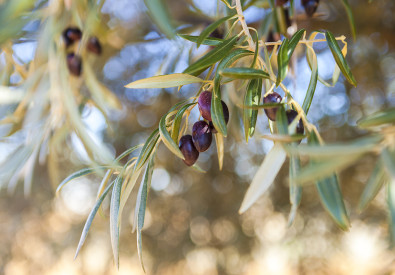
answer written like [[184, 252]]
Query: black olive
[[94, 45], [201, 135], [70, 35], [74, 63], [188, 150], [291, 115], [272, 98]]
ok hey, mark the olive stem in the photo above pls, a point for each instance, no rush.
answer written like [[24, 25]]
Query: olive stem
[[244, 24]]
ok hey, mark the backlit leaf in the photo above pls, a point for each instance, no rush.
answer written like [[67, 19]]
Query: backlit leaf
[[209, 41], [377, 119], [207, 31], [264, 177], [159, 14], [164, 81]]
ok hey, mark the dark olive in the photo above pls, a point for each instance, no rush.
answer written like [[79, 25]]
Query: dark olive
[[201, 135], [291, 115], [281, 2], [74, 63], [188, 150], [204, 103], [94, 45], [310, 6], [72, 34], [272, 98]]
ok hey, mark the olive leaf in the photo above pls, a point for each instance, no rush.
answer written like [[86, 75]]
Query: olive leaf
[[219, 141], [164, 81], [378, 118], [207, 31], [177, 121], [282, 61], [209, 41], [252, 98], [114, 224], [312, 58], [264, 177], [373, 186], [350, 18], [212, 57], [167, 139], [90, 218], [243, 73], [159, 14], [339, 58], [330, 194], [295, 190]]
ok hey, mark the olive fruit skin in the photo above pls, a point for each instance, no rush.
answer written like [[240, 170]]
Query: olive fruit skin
[[310, 6], [71, 34], [188, 150], [281, 2], [204, 104], [291, 115], [74, 63], [94, 45], [272, 98], [201, 135]]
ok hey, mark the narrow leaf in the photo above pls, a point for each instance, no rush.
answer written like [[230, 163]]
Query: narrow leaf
[[251, 98], [164, 81], [295, 190], [147, 149], [331, 196], [207, 31], [212, 57], [310, 54], [219, 140], [391, 206], [167, 140], [350, 18], [282, 61], [377, 119], [294, 41], [114, 225], [145, 186], [282, 121], [243, 73], [373, 186], [264, 177], [339, 58], [159, 14], [209, 41], [177, 121], [78, 174], [90, 218]]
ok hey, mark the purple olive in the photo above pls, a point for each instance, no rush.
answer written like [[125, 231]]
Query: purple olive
[[204, 104], [70, 35], [291, 115], [310, 6], [201, 135], [94, 45], [281, 2], [74, 63], [188, 150], [272, 98]]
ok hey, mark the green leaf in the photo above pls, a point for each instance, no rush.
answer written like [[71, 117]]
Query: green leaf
[[127, 152], [350, 18], [177, 121], [211, 28], [90, 218], [164, 81], [256, 41], [295, 190], [114, 224], [294, 41], [251, 98], [209, 41], [331, 196], [243, 73], [262, 106], [373, 186], [159, 14], [339, 150], [339, 58], [147, 149], [282, 121], [388, 158], [284, 138], [391, 206], [167, 140], [141, 205], [212, 57], [377, 119], [264, 177], [282, 61], [312, 57], [216, 106]]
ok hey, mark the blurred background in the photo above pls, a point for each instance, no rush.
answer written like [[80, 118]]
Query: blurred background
[[192, 223]]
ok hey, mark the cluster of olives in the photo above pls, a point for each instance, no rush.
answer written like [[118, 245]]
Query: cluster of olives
[[74, 61], [310, 6], [202, 132], [291, 114]]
